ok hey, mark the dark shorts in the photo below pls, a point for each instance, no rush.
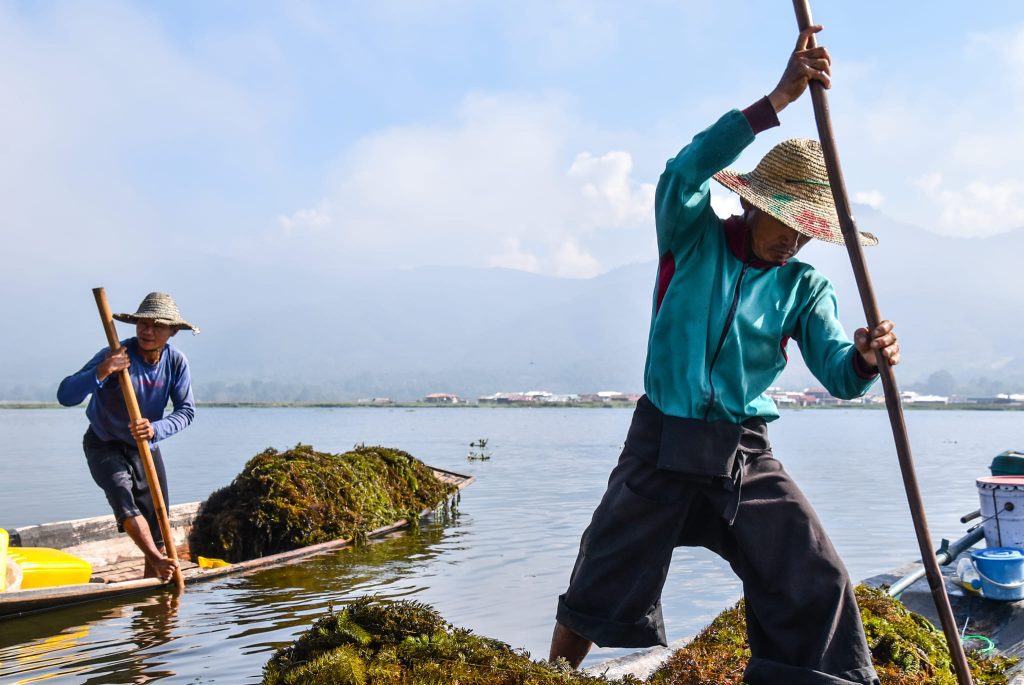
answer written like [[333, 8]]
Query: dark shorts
[[802, 619], [117, 468]]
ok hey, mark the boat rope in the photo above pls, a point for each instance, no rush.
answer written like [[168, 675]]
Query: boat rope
[[989, 645], [965, 638]]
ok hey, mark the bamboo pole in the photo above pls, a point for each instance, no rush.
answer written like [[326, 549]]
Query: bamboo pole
[[892, 394], [128, 390]]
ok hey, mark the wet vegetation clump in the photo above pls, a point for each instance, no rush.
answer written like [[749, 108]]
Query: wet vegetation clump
[[905, 647], [408, 643], [285, 500]]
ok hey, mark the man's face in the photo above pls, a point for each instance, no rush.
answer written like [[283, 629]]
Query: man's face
[[152, 336], [772, 240]]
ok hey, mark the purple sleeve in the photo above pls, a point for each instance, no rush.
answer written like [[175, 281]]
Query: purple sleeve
[[862, 368], [76, 387], [761, 115], [181, 399]]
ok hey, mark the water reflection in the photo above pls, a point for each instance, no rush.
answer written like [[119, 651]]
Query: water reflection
[[498, 568], [32, 651], [107, 642]]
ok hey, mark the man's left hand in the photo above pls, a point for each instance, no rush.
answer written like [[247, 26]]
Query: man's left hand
[[883, 340], [141, 429]]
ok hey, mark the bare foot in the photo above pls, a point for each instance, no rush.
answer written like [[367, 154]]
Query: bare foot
[[162, 568]]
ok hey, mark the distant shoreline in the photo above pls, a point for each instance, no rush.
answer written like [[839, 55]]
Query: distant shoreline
[[967, 406]]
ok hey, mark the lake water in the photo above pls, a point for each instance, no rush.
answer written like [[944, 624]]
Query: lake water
[[496, 569]]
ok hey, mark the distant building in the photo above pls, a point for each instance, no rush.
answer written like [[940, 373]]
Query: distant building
[[911, 397], [822, 396], [443, 398], [376, 401], [1001, 398]]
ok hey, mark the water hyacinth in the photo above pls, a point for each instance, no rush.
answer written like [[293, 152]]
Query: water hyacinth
[[408, 643], [286, 500], [905, 647]]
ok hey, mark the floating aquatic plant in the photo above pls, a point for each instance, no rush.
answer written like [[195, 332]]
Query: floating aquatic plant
[[905, 647], [408, 643], [285, 500], [483, 454]]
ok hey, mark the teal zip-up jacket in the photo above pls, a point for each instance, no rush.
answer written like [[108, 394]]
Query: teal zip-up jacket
[[699, 364]]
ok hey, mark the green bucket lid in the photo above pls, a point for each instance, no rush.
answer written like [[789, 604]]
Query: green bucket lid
[[1008, 463]]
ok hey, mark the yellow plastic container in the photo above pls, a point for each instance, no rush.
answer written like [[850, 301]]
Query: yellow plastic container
[[4, 538], [46, 567], [205, 562]]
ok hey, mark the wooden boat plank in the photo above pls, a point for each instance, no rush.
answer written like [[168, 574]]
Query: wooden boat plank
[[86, 536]]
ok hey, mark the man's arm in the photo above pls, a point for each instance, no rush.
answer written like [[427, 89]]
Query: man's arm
[[682, 202], [181, 399], [847, 369], [76, 387]]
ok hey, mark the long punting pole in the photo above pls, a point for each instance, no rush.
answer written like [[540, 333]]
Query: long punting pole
[[892, 395], [128, 390]]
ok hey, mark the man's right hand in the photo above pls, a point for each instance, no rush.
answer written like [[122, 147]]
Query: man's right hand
[[804, 64], [114, 362]]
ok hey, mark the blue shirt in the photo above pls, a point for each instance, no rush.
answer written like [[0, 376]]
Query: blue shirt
[[155, 384]]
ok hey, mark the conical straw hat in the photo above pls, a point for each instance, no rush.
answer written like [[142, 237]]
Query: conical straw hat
[[791, 184], [158, 307]]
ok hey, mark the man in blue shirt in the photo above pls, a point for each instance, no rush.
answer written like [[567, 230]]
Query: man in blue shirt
[[159, 373]]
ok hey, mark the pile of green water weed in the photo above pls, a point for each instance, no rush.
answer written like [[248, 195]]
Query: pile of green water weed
[[286, 500], [906, 649], [408, 643]]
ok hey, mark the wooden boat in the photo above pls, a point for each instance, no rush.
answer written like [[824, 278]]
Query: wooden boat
[[118, 565]]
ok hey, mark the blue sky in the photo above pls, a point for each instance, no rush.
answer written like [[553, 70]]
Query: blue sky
[[526, 135]]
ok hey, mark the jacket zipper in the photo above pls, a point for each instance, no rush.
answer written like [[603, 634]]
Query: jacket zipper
[[721, 340]]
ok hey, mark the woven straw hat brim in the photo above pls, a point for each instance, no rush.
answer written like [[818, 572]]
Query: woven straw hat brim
[[791, 184], [159, 308], [176, 325], [807, 209]]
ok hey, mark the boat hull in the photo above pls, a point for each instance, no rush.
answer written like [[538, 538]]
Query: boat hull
[[117, 563]]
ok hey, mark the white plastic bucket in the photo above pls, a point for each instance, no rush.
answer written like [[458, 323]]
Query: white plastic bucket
[[1002, 510]]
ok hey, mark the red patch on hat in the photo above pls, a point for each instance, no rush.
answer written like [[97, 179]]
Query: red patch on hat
[[740, 181], [814, 225]]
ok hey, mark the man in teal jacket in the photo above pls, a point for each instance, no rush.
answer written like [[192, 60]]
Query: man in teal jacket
[[697, 467]]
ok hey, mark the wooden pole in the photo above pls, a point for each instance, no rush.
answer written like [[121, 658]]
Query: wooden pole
[[128, 390], [892, 394]]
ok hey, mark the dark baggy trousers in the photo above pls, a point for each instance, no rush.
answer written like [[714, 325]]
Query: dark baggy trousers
[[803, 622], [117, 467]]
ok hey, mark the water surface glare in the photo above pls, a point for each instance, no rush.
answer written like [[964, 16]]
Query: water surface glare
[[497, 568]]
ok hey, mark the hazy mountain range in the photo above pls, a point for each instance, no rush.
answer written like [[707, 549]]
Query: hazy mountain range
[[274, 335]]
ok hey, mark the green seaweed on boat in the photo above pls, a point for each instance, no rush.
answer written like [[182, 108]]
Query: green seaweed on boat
[[282, 501], [408, 643], [905, 647]]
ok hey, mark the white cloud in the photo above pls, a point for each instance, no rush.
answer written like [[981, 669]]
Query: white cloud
[[103, 119], [476, 191], [725, 203], [613, 199], [571, 261], [944, 153], [305, 220], [978, 209], [871, 198], [514, 257]]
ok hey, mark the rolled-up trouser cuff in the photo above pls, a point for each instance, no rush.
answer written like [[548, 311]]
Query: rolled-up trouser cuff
[[123, 514], [766, 672], [649, 631]]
